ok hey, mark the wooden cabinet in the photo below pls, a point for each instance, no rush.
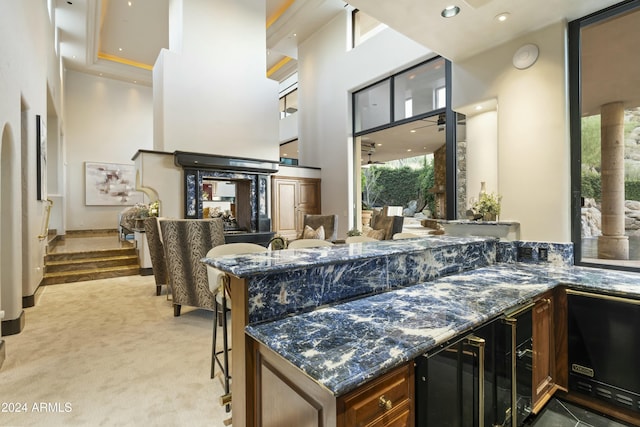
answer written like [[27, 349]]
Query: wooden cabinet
[[386, 401], [543, 358], [285, 396], [292, 198]]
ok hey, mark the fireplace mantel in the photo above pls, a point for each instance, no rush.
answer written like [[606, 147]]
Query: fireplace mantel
[[211, 161], [251, 176]]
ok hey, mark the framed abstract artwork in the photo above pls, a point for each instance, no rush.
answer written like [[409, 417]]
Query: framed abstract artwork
[[110, 184], [41, 158]]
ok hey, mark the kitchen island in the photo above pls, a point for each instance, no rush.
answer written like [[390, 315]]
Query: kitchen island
[[278, 284], [380, 332], [344, 347]]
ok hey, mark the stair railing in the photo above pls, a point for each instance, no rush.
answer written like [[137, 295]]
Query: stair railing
[[45, 221]]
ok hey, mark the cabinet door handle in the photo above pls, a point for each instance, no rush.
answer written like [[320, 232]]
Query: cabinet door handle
[[479, 343], [385, 403]]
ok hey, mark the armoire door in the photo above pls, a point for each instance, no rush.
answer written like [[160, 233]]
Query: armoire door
[[292, 199]]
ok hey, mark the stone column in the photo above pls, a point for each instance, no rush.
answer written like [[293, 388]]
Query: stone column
[[613, 244]]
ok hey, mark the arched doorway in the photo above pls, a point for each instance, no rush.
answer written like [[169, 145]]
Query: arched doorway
[[10, 280]]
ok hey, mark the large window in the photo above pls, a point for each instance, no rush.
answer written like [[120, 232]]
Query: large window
[[373, 106], [289, 104], [416, 92], [419, 90], [605, 133], [289, 153], [399, 122]]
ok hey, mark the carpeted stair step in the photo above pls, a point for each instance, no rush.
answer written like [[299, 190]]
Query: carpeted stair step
[[99, 253], [70, 267], [90, 274], [90, 263]]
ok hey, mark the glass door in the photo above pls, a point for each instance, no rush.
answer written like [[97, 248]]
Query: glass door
[[605, 128]]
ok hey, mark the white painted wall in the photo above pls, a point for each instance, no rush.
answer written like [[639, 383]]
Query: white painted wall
[[299, 172], [158, 172], [106, 121], [482, 154], [328, 74], [288, 127], [532, 130], [28, 66], [211, 90]]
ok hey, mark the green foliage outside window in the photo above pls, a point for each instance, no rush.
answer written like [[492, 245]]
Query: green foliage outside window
[[397, 186]]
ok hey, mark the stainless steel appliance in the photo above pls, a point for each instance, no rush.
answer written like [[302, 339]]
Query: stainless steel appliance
[[604, 348], [482, 379]]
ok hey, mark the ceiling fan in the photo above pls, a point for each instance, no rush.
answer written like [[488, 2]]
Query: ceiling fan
[[440, 121], [370, 150]]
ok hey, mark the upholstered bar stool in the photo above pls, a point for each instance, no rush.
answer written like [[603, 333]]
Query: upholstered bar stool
[[219, 286], [308, 243], [360, 239]]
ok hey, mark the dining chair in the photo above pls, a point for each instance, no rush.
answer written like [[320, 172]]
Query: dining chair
[[186, 242], [328, 222]]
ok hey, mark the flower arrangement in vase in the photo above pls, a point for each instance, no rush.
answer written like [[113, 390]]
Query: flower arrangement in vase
[[488, 205]]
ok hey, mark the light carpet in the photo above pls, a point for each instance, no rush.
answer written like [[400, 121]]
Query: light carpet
[[110, 353]]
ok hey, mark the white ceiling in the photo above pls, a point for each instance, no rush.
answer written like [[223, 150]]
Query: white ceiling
[[92, 32], [475, 28]]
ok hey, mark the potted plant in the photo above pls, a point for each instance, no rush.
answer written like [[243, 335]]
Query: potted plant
[[488, 205], [366, 215], [354, 232]]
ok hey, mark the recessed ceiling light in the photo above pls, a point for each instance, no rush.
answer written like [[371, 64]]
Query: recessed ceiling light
[[129, 3], [379, 144], [135, 81], [120, 49], [412, 131], [502, 17], [74, 57], [478, 107], [408, 149], [450, 11]]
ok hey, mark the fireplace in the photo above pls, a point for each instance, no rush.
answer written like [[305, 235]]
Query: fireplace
[[240, 194]]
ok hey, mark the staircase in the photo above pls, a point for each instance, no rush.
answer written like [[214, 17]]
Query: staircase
[[90, 265]]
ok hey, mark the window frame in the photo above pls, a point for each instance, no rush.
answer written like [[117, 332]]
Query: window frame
[[575, 124]]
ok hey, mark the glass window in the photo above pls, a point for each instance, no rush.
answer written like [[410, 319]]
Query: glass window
[[420, 90], [289, 153], [289, 104], [373, 106], [605, 111]]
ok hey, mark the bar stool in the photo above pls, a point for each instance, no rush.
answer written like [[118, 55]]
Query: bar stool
[[308, 243], [219, 286], [360, 239]]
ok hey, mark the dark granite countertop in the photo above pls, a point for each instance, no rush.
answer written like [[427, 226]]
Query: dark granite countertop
[[345, 345], [285, 260]]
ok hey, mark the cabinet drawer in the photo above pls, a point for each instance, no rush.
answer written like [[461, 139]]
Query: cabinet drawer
[[386, 401]]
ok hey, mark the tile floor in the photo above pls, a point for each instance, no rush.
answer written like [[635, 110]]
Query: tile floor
[[559, 413]]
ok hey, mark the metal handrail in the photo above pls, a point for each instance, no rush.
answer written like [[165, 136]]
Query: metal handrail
[[46, 220]]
